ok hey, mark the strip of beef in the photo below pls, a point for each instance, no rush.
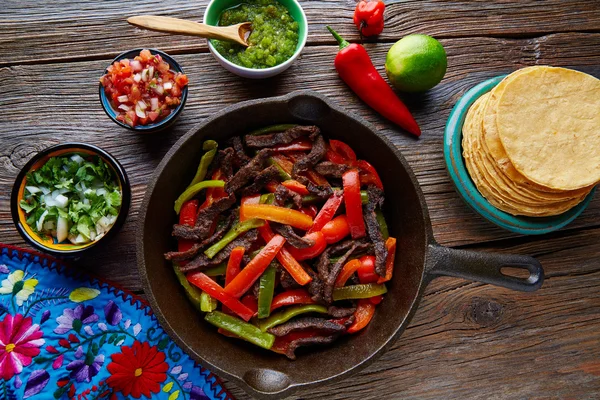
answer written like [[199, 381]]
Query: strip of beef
[[283, 194], [223, 161], [286, 280], [204, 221], [201, 261], [375, 200], [301, 324], [248, 171], [315, 286], [310, 341], [265, 176], [285, 137], [322, 192], [292, 237], [341, 312], [184, 255], [334, 271], [316, 154], [239, 158], [331, 170]]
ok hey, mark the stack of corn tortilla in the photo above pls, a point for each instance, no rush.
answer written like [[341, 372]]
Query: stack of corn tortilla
[[532, 144]]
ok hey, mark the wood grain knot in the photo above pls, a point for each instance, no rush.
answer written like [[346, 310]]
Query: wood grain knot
[[486, 312], [23, 152]]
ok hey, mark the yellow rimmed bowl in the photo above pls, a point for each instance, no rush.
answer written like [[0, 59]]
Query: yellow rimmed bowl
[[50, 245]]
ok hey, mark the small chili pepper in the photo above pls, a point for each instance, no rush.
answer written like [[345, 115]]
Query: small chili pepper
[[291, 297], [233, 233], [327, 211], [296, 186], [192, 293], [390, 244], [287, 260], [353, 204], [194, 190], [368, 17], [366, 272], [382, 224], [356, 69], [241, 329], [214, 290], [310, 252], [210, 146], [278, 214], [207, 303], [265, 291], [285, 315], [273, 129], [349, 268], [362, 291], [336, 229], [300, 144], [247, 276], [362, 316]]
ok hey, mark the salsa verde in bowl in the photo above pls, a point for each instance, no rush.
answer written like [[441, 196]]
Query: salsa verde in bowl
[[70, 197]]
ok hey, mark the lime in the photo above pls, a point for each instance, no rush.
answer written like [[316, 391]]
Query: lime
[[416, 63]]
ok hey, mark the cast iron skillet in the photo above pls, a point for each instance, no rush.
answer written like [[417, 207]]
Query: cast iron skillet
[[419, 259]]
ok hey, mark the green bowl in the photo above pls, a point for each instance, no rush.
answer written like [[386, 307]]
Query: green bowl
[[467, 189], [211, 17]]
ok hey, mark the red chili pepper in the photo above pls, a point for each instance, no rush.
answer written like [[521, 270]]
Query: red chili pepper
[[296, 186], [336, 229], [353, 203], [246, 278], [368, 17], [301, 144], [390, 244], [312, 251], [291, 297], [368, 174], [349, 268], [356, 69], [205, 283], [291, 265], [363, 315], [366, 272], [327, 212]]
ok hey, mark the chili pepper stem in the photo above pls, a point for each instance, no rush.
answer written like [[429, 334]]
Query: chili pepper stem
[[343, 43]]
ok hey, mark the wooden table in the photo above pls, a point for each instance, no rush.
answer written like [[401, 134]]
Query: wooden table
[[468, 340]]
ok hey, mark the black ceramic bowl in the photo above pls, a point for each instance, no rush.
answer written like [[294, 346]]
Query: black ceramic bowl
[[418, 260], [67, 249], [150, 128]]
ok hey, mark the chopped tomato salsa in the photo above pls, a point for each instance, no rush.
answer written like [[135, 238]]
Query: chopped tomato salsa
[[143, 90]]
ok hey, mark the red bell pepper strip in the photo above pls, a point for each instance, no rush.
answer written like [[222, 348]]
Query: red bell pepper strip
[[291, 297], [187, 216], [291, 265], [334, 157], [213, 194], [248, 200], [327, 212], [279, 214], [349, 268], [311, 210], [368, 17], [234, 263], [366, 272], [356, 69], [353, 204], [368, 174], [343, 150], [250, 301], [336, 229], [362, 316], [247, 276], [376, 299], [312, 251], [390, 244], [296, 186], [213, 289], [300, 144]]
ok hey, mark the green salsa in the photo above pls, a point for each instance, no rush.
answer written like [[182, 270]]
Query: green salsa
[[273, 39]]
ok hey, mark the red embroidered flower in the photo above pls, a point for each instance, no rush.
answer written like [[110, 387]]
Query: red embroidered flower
[[137, 370], [20, 341]]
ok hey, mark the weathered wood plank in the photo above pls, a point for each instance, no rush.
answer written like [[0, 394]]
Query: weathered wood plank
[[66, 30]]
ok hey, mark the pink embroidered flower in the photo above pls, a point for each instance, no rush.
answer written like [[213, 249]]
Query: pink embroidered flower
[[20, 341]]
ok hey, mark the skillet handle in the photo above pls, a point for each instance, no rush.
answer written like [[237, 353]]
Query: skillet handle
[[484, 267]]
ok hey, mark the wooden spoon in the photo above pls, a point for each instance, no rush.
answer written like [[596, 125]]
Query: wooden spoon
[[234, 33]]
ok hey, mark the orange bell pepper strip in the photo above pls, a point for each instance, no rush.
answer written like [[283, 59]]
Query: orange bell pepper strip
[[279, 214], [390, 244], [296, 186], [336, 229], [247, 276], [291, 297], [351, 182], [213, 289], [349, 268], [312, 251], [291, 265], [362, 316], [327, 211], [248, 200]]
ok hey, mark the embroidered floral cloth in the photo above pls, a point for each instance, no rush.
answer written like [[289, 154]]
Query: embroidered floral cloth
[[64, 335]]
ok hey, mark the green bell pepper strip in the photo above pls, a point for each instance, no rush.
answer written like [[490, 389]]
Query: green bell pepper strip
[[192, 293], [268, 198], [311, 198], [273, 129], [266, 290], [364, 291], [207, 303], [240, 328], [383, 228], [194, 190], [233, 233], [284, 316], [284, 175], [216, 271], [210, 146]]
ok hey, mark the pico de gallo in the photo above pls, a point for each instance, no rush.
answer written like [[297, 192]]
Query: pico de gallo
[[144, 90]]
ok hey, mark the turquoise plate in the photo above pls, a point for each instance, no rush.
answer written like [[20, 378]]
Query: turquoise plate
[[466, 188]]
